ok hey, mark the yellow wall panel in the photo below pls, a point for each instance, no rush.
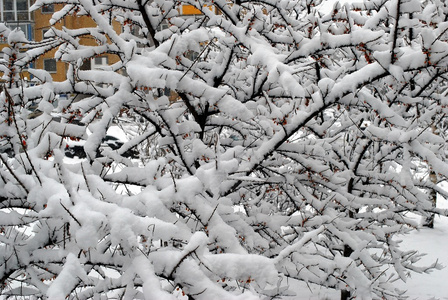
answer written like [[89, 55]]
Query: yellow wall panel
[[191, 10]]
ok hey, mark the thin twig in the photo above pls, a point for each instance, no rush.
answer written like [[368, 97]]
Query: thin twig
[[181, 261], [71, 215], [13, 174]]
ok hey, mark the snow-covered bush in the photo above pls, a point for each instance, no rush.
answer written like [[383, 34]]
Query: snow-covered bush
[[275, 144]]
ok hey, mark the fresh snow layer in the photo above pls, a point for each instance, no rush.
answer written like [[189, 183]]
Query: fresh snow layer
[[433, 286]]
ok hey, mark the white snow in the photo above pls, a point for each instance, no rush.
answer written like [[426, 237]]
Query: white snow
[[434, 242], [187, 199], [433, 286]]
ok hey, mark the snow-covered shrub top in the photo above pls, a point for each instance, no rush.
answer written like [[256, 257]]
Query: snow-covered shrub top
[[260, 143]]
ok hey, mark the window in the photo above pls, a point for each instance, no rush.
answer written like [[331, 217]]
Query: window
[[99, 61], [50, 65], [16, 14], [164, 26], [49, 8], [86, 65], [44, 31], [15, 10], [25, 28]]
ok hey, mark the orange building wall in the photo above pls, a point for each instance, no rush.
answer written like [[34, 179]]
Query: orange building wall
[[42, 22], [188, 10]]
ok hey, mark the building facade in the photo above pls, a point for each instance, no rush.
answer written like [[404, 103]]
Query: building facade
[[56, 68], [17, 14]]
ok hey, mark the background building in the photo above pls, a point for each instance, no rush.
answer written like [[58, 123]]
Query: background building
[[16, 14], [47, 62]]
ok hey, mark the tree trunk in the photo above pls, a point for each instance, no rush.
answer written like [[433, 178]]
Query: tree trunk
[[429, 222], [345, 294]]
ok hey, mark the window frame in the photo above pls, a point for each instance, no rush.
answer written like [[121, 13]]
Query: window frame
[[103, 59], [15, 12]]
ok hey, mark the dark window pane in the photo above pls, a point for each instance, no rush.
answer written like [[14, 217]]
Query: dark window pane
[[86, 65], [22, 5], [50, 65], [22, 16], [49, 8], [8, 5], [8, 16]]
